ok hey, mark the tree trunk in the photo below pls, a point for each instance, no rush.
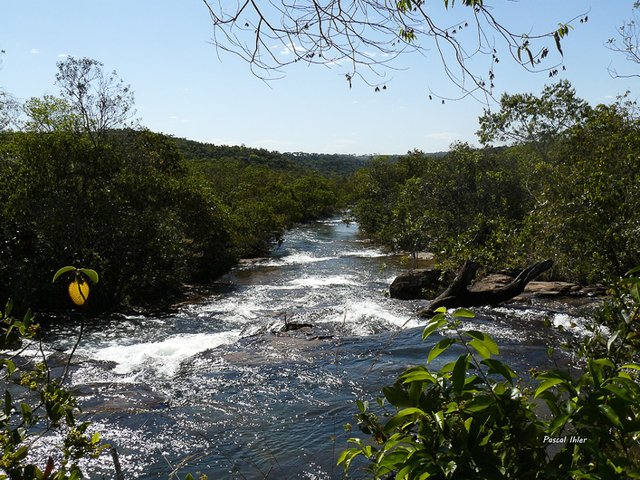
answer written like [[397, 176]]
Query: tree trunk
[[459, 295]]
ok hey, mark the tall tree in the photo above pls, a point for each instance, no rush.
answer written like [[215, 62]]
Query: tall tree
[[524, 118], [100, 101]]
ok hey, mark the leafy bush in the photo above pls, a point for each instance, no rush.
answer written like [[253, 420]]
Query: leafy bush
[[476, 418], [34, 405]]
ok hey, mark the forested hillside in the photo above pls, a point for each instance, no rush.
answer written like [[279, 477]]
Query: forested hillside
[[327, 164]]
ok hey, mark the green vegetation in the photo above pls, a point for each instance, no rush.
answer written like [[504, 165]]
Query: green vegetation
[[562, 183], [35, 404], [475, 418], [78, 185]]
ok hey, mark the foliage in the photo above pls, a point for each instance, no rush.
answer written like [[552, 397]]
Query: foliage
[[36, 405], [475, 418], [128, 205], [534, 120], [77, 188], [458, 205], [565, 187], [263, 202]]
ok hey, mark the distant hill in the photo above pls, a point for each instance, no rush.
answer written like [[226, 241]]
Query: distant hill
[[335, 164], [328, 164]]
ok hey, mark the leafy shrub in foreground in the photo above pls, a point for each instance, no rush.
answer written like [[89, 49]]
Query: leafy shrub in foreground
[[34, 405], [475, 418]]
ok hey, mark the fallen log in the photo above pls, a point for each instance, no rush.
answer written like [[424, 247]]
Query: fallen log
[[459, 295]]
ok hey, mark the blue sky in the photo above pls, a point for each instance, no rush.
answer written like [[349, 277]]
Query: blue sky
[[185, 88]]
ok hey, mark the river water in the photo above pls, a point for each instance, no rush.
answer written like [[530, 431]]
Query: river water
[[217, 387]]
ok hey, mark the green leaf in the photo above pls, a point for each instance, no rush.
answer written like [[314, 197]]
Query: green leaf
[[619, 392], [547, 384], [400, 418], [91, 274], [404, 473], [459, 372], [605, 362], [635, 293], [436, 322], [483, 344], [610, 414], [11, 367], [467, 424], [418, 375], [439, 348], [464, 313], [62, 271], [8, 307], [632, 366], [496, 366], [479, 403]]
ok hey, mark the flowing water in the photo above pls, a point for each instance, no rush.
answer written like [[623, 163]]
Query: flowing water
[[218, 387]]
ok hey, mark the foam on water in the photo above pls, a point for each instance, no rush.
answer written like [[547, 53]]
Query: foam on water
[[325, 281], [163, 357], [368, 253], [297, 258], [368, 318]]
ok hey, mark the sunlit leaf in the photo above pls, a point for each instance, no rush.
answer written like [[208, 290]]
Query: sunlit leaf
[[62, 271], [610, 414], [547, 384], [439, 348], [464, 313], [483, 344], [91, 274]]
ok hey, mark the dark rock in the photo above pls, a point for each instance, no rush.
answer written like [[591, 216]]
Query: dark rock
[[291, 326], [419, 283], [459, 293]]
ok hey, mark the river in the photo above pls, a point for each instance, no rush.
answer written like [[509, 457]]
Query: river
[[217, 387]]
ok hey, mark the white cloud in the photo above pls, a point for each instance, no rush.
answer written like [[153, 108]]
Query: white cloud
[[63, 55], [290, 48], [35, 51]]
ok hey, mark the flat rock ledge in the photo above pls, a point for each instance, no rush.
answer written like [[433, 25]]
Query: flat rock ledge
[[428, 283], [539, 288]]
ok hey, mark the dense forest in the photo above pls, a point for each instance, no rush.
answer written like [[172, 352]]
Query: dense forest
[[556, 178], [81, 185]]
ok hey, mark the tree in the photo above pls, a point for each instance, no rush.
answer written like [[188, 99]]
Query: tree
[[367, 35], [9, 110], [99, 101], [627, 43], [524, 118], [49, 114]]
